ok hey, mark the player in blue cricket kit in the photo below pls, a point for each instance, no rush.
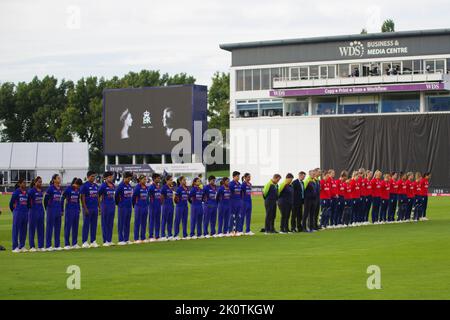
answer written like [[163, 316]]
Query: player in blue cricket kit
[[196, 198], [123, 197], [90, 205], [36, 215], [19, 208], [246, 215], [71, 196], [181, 208], [155, 207], [235, 204], [108, 205], [167, 209], [210, 207], [223, 199], [54, 206], [140, 202]]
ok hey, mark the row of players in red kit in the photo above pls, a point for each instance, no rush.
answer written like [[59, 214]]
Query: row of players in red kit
[[390, 197]]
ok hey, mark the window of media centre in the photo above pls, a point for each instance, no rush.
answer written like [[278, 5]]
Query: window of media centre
[[325, 105], [296, 107], [259, 108], [438, 103], [400, 102], [358, 104], [263, 79]]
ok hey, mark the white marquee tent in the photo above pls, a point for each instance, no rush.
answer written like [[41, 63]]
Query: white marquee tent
[[30, 159]]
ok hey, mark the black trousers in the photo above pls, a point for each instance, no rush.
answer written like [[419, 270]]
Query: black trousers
[[316, 213], [308, 216], [285, 210], [297, 217], [271, 212]]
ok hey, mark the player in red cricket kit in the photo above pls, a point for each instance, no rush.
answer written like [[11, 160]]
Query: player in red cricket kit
[[394, 197], [334, 197], [355, 198], [385, 195], [341, 200], [325, 200], [425, 184], [410, 194], [418, 201], [348, 200], [368, 204], [361, 202], [402, 198], [376, 196]]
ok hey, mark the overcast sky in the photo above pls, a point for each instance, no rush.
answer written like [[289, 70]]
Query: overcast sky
[[72, 39]]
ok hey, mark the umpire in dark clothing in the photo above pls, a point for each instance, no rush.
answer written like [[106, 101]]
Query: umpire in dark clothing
[[285, 199], [310, 202], [297, 203], [270, 195]]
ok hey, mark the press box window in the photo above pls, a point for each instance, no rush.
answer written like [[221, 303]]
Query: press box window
[[304, 73], [274, 73], [400, 103], [247, 109], [358, 104], [256, 79], [295, 74], [407, 67], [296, 108], [265, 79], [314, 72], [440, 66], [436, 104], [271, 108], [343, 70], [248, 80], [240, 80], [325, 106]]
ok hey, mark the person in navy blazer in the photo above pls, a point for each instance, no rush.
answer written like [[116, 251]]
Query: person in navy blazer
[[298, 201]]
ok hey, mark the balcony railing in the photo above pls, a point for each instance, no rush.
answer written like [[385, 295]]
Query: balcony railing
[[288, 82]]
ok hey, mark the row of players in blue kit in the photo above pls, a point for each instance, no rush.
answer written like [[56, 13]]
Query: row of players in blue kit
[[230, 206]]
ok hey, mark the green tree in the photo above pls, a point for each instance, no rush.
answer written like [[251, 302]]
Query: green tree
[[219, 102], [32, 111], [219, 111], [363, 31], [11, 127], [388, 26], [46, 119]]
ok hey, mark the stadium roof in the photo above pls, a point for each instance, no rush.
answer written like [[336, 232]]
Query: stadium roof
[[43, 155], [352, 37]]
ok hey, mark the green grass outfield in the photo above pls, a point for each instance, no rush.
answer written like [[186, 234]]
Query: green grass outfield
[[414, 259]]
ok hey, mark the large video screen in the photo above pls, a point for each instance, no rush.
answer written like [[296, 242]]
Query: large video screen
[[141, 121]]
